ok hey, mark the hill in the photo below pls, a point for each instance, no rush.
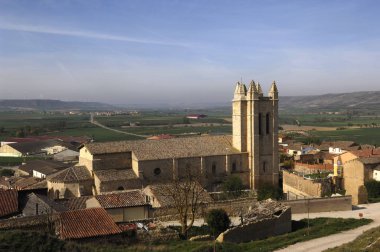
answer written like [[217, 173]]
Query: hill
[[42, 104], [353, 101]]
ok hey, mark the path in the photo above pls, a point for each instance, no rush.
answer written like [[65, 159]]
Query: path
[[115, 130], [370, 211]]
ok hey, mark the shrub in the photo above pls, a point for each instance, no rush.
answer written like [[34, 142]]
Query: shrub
[[7, 172], [373, 188], [218, 221], [232, 186], [267, 191]]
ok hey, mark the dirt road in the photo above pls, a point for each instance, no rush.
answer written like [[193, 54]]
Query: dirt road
[[370, 211]]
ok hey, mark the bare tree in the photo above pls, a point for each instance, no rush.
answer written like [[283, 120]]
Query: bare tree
[[186, 196]]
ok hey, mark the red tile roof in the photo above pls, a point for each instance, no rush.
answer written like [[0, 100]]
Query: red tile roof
[[86, 223], [124, 199], [8, 202]]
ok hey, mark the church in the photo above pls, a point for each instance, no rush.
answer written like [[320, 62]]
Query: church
[[251, 153]]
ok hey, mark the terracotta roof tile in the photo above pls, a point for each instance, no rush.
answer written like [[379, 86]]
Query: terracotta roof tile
[[8, 202], [114, 175], [71, 174], [86, 223], [168, 148], [76, 203], [123, 199]]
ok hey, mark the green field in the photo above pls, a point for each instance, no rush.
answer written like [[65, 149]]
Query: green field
[[325, 120], [165, 122], [360, 136]]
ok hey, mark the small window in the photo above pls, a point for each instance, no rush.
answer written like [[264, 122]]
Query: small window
[[259, 123], [264, 166], [120, 188], [233, 167], [213, 169], [157, 171]]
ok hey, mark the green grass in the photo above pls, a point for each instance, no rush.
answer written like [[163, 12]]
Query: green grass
[[35, 241], [361, 136], [368, 241]]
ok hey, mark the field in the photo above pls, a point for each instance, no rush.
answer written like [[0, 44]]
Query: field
[[362, 129]]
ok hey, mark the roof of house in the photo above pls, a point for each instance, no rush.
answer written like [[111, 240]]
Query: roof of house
[[370, 160], [160, 137], [346, 145], [8, 202], [27, 148], [366, 152], [85, 223], [42, 166], [71, 175], [24, 183], [168, 148], [115, 174], [76, 203], [54, 205], [122, 199], [39, 185]]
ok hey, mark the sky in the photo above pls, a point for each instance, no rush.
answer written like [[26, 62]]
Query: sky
[[185, 52]]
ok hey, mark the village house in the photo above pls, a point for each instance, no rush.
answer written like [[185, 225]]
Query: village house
[[124, 206], [356, 172], [85, 224], [8, 203]]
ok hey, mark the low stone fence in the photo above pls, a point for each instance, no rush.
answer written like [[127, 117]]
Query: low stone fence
[[315, 205], [260, 229], [298, 185]]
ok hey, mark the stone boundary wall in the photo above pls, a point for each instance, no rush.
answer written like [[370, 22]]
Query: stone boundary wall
[[259, 229], [298, 185], [331, 204]]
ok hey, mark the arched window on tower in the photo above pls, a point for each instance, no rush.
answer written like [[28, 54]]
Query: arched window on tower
[[267, 123], [264, 166], [213, 169], [259, 123]]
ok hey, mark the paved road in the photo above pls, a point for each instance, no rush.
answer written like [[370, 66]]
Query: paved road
[[370, 211], [115, 130]]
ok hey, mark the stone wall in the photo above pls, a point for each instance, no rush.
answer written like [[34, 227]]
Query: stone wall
[[295, 184], [260, 229], [354, 176], [343, 203]]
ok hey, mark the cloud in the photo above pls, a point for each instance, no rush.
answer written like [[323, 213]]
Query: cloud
[[89, 34]]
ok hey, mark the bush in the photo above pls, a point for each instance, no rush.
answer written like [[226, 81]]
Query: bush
[[373, 188], [233, 186], [267, 191], [7, 172], [218, 221]]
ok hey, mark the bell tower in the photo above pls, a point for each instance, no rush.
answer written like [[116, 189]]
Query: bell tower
[[255, 131]]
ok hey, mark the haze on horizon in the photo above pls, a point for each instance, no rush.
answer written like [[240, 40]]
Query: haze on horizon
[[151, 52]]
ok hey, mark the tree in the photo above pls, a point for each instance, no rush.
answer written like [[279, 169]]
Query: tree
[[186, 195], [268, 191], [232, 186], [218, 221]]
